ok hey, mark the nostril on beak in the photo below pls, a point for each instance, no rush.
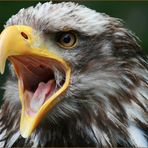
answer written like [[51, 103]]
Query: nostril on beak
[[24, 35]]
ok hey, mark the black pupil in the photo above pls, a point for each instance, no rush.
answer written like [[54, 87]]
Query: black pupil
[[66, 38]]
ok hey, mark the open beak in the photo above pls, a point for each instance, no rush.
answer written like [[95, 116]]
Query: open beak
[[36, 68]]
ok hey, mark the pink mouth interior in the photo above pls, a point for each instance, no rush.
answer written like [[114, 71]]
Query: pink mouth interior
[[37, 79], [39, 97]]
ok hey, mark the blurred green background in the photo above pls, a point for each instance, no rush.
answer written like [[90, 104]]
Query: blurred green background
[[134, 15]]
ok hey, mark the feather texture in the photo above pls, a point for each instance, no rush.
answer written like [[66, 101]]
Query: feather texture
[[106, 102]]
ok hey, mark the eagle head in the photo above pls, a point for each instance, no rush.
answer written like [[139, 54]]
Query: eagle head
[[81, 76]]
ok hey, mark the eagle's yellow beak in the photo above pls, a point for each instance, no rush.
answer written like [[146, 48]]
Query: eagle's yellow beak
[[34, 66]]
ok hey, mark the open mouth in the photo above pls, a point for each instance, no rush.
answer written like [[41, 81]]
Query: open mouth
[[43, 76], [39, 77]]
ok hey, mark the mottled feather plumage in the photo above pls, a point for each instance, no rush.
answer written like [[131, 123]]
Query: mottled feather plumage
[[106, 103]]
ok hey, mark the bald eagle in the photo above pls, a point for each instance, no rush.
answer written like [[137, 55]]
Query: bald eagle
[[78, 78]]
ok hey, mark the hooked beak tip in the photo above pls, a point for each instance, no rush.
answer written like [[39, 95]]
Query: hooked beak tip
[[2, 67]]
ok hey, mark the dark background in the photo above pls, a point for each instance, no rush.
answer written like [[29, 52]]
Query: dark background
[[133, 13]]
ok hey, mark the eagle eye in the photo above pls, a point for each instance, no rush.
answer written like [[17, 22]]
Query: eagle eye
[[67, 39]]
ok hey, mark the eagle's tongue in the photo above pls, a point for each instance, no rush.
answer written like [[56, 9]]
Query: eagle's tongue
[[43, 91]]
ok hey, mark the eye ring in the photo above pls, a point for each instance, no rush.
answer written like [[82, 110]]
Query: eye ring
[[67, 40]]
